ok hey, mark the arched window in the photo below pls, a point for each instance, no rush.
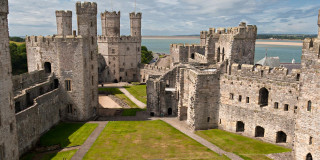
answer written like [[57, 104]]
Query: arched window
[[263, 97], [240, 126], [259, 131], [309, 156], [281, 137], [47, 67], [309, 106]]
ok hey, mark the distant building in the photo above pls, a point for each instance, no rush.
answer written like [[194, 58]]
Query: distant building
[[269, 61]]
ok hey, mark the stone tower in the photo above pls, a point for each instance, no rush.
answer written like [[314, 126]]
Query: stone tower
[[307, 123], [110, 24], [8, 132], [64, 22], [135, 24]]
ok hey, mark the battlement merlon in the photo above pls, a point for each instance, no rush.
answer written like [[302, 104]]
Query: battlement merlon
[[135, 15], [108, 14], [63, 13], [37, 41], [4, 6], [86, 8]]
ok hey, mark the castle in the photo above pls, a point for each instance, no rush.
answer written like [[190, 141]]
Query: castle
[[121, 54], [216, 85]]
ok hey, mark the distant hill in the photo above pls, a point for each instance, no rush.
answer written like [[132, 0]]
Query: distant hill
[[272, 36]]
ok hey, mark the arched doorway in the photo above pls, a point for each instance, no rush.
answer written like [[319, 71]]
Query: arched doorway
[[115, 81], [47, 67], [29, 100], [259, 131], [56, 83], [192, 56], [309, 156], [281, 137], [169, 111], [151, 114], [120, 79], [263, 97], [240, 126]]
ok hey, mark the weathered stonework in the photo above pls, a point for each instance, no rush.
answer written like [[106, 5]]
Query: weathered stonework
[[122, 54], [8, 129], [215, 85]]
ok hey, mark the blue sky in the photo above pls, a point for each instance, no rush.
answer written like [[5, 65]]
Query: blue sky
[[174, 17]]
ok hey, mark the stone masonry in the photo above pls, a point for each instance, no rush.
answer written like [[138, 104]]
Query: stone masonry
[[122, 54], [215, 85]]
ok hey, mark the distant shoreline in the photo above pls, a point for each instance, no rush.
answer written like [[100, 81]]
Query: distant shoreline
[[272, 41]]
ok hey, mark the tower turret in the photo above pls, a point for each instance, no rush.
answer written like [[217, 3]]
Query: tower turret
[[110, 22], [135, 24], [64, 22], [87, 18]]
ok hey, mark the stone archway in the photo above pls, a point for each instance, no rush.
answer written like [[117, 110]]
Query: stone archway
[[259, 131], [240, 126], [281, 137]]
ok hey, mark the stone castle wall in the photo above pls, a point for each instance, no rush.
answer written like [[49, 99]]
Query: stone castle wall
[[26, 80], [8, 130]]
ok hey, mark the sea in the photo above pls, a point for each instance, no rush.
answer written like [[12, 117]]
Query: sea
[[286, 53]]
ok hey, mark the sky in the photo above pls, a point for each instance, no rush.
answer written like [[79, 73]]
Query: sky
[[174, 17]]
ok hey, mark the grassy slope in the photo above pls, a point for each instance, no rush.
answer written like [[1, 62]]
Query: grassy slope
[[60, 155], [146, 140], [119, 94], [17, 43], [246, 147], [139, 92], [68, 134]]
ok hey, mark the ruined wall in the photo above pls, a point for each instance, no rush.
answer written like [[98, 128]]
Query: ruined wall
[[241, 90], [8, 131], [307, 140], [148, 70], [183, 52], [38, 119]]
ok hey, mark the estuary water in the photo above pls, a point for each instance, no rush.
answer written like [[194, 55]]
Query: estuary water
[[285, 52]]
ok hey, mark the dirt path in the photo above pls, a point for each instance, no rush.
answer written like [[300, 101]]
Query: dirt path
[[132, 98], [182, 126], [83, 149]]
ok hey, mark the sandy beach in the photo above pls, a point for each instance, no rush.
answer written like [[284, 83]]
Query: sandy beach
[[276, 42]]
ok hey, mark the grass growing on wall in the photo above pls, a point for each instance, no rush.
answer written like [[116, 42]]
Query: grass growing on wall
[[146, 140], [68, 134], [247, 148]]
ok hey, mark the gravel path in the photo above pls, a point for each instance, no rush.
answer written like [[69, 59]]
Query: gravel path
[[182, 126], [83, 149]]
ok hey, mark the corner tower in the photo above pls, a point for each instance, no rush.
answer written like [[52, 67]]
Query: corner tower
[[135, 24], [110, 22], [8, 131], [87, 18], [64, 22]]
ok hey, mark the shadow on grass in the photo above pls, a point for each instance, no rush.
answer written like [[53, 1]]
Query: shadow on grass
[[131, 111], [108, 91]]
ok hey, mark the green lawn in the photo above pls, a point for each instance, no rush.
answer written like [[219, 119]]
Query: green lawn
[[120, 95], [138, 91], [67, 155], [146, 140], [245, 147], [131, 111], [68, 134]]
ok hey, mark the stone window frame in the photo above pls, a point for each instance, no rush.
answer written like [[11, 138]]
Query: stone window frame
[[276, 105], [231, 96], [310, 140], [247, 100], [113, 51], [309, 106], [240, 98], [69, 108], [11, 127], [68, 85], [286, 107]]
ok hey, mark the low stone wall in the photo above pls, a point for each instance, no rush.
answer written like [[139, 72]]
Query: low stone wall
[[38, 119], [26, 80]]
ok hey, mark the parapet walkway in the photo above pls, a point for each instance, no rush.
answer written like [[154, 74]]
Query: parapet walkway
[[182, 127], [89, 142]]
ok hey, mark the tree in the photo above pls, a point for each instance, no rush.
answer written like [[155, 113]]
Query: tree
[[146, 56], [18, 58]]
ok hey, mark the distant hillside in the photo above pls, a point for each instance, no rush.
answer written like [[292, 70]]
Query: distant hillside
[[272, 36]]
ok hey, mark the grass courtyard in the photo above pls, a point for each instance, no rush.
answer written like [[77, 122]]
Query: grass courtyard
[[146, 140], [139, 92], [247, 148], [116, 92]]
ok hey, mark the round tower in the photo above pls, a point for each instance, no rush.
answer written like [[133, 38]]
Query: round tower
[[64, 23], [110, 22], [135, 24]]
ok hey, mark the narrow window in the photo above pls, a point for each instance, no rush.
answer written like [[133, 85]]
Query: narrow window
[[247, 100], [11, 127], [309, 106], [231, 96], [261, 73], [310, 140], [68, 85], [92, 39], [276, 105], [220, 121], [240, 98], [298, 77], [92, 80], [69, 108], [263, 97], [113, 51], [2, 154], [91, 55], [208, 119], [286, 107]]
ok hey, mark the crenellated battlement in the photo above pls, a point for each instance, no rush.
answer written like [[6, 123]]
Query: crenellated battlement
[[37, 41], [63, 13], [121, 39], [155, 68], [86, 8], [4, 6], [108, 14], [135, 15], [187, 46], [265, 72]]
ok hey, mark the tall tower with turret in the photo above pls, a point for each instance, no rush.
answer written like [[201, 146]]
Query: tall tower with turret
[[110, 22], [64, 22], [8, 131], [135, 24]]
